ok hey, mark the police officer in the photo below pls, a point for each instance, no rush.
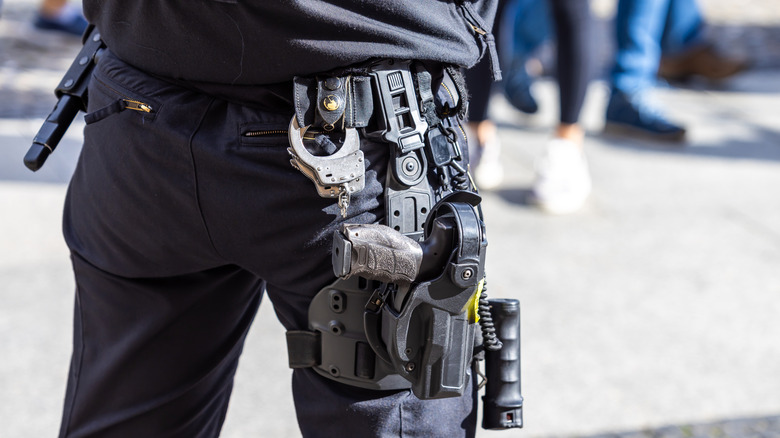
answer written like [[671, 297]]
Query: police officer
[[184, 209]]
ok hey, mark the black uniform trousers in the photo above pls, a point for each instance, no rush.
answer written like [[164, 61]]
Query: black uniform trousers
[[178, 224]]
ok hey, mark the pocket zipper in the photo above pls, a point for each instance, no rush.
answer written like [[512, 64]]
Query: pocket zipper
[[262, 133], [265, 132], [130, 104], [137, 106]]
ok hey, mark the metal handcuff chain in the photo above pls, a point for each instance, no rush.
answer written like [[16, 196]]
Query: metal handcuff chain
[[335, 176]]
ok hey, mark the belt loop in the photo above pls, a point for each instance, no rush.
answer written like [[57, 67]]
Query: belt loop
[[360, 102], [303, 96]]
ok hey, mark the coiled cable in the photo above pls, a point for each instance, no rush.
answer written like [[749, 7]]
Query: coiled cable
[[489, 338]]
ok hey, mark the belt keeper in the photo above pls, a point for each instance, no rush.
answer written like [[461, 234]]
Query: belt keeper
[[360, 102], [304, 93]]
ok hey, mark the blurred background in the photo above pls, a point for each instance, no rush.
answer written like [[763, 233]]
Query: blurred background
[[652, 311]]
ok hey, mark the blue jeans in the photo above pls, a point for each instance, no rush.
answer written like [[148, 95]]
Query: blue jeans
[[528, 25], [644, 29]]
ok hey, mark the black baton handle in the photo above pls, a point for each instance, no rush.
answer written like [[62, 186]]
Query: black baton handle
[[72, 98], [51, 132]]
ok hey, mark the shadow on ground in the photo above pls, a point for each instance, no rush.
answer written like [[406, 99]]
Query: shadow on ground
[[753, 427]]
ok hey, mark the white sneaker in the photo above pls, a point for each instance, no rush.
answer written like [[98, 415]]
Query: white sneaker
[[562, 182], [485, 161], [489, 173]]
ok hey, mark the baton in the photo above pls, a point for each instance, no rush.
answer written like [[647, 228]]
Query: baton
[[71, 98]]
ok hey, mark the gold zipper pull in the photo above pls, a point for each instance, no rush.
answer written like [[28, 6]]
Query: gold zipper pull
[[137, 106]]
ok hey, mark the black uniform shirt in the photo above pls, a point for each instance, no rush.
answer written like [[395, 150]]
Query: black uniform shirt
[[252, 42]]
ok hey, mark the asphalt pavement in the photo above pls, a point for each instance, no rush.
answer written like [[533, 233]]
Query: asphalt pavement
[[653, 312]]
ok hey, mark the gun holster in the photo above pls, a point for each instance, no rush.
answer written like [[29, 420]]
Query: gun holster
[[374, 328]]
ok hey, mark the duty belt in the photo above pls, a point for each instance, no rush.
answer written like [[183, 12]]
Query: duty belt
[[389, 100]]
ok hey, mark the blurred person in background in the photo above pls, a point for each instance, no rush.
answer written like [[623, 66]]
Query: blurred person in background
[[646, 30], [529, 27], [562, 181], [60, 16], [484, 146]]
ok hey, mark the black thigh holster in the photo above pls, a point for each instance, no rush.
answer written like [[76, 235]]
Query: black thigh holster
[[404, 311]]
